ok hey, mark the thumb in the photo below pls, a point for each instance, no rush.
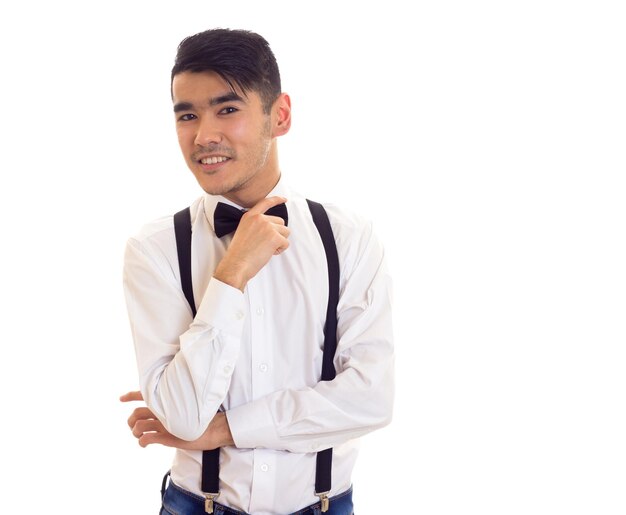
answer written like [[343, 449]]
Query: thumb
[[263, 205], [131, 396]]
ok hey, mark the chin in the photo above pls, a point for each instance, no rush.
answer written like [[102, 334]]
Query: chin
[[213, 188]]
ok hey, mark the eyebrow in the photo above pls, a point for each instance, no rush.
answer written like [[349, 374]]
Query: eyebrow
[[222, 99]]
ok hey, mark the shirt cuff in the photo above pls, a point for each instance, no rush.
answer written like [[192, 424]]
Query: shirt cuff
[[251, 426], [222, 307]]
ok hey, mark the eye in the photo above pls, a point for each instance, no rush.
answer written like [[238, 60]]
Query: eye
[[228, 110], [187, 117]]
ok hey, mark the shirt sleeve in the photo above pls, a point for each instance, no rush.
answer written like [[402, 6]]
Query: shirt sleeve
[[360, 398], [185, 364]]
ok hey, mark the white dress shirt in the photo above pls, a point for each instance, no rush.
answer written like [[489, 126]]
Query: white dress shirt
[[258, 354]]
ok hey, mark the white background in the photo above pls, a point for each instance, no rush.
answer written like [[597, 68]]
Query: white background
[[485, 140]]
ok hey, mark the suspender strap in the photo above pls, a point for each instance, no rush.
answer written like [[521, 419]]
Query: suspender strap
[[323, 470], [182, 229], [320, 218], [211, 471]]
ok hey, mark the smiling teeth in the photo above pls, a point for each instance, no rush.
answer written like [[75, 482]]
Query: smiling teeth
[[213, 160]]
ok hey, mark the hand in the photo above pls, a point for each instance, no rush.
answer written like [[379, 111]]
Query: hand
[[149, 430], [256, 240]]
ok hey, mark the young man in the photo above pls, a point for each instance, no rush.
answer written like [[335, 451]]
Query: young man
[[243, 374]]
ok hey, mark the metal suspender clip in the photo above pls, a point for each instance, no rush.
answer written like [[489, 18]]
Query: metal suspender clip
[[208, 503], [324, 499]]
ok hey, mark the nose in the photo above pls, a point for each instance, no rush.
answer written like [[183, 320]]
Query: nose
[[208, 132]]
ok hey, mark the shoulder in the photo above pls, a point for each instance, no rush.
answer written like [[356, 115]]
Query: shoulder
[[156, 239], [162, 229], [350, 228], [154, 230], [153, 240], [346, 221], [357, 243]]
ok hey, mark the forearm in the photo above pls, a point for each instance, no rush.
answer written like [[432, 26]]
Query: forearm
[[185, 401], [313, 419], [185, 365], [186, 393], [357, 401]]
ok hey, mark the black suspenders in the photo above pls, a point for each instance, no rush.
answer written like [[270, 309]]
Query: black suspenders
[[325, 458], [211, 459]]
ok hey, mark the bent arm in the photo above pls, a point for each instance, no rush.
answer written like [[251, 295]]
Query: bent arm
[[360, 398], [185, 364]]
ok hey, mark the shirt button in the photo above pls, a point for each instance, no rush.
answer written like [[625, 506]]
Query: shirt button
[[239, 315], [260, 311], [265, 467], [227, 369], [263, 367]]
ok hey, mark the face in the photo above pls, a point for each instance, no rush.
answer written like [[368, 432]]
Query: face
[[226, 138]]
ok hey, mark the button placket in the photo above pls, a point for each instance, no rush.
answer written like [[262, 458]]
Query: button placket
[[257, 335]]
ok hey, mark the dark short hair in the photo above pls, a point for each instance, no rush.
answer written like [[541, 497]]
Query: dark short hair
[[242, 58]]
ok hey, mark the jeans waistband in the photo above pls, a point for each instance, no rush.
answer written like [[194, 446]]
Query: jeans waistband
[[176, 497]]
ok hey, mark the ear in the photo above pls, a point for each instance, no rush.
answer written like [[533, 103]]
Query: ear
[[281, 112]]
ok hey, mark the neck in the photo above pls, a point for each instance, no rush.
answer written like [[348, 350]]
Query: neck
[[257, 187], [248, 198]]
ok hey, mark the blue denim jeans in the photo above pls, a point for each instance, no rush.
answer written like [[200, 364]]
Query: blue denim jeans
[[177, 501]]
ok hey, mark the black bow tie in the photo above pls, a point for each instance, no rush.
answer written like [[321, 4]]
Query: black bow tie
[[226, 217]]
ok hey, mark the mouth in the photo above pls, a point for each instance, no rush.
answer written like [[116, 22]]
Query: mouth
[[212, 163], [211, 160]]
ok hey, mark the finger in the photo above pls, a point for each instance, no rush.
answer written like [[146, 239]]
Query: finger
[[139, 414], [282, 248], [283, 231], [131, 396], [265, 204], [162, 439], [276, 220], [147, 426], [280, 241]]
